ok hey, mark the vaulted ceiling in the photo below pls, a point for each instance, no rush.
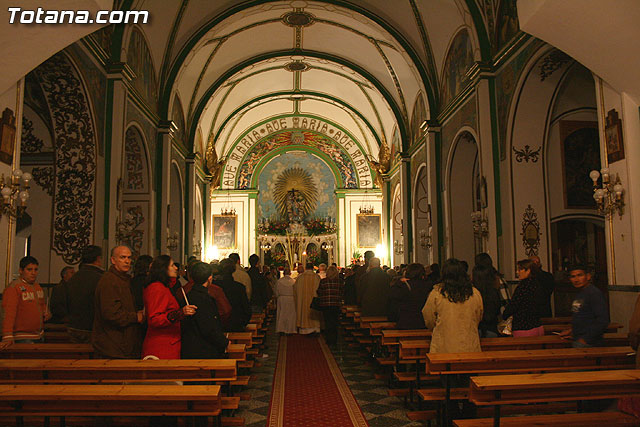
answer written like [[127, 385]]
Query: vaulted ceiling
[[361, 64]]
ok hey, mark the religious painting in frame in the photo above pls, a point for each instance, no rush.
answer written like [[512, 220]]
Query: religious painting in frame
[[613, 137], [7, 136], [225, 231], [368, 230]]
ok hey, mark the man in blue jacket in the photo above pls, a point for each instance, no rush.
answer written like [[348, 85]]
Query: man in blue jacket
[[590, 314]]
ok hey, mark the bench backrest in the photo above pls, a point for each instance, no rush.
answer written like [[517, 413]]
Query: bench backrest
[[561, 359], [107, 370], [557, 386]]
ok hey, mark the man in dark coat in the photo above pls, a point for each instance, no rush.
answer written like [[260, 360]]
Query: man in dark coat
[[237, 296], [375, 290], [260, 289], [360, 272], [547, 285], [82, 289], [116, 322], [202, 333]]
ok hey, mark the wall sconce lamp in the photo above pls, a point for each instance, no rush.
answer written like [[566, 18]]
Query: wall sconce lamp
[[480, 224], [425, 239], [610, 196], [172, 241], [15, 193]]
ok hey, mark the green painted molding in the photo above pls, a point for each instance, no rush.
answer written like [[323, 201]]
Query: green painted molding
[[219, 192], [481, 30], [440, 220], [108, 130], [495, 142], [349, 191]]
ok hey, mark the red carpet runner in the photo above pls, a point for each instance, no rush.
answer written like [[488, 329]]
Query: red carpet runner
[[309, 389]]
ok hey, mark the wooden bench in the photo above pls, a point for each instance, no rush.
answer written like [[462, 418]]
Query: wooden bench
[[110, 370], [557, 359], [500, 390], [109, 400], [510, 361], [47, 351], [590, 419], [236, 351], [549, 329]]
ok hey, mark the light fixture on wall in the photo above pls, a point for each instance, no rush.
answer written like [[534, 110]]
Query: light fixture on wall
[[610, 196], [398, 246], [366, 207], [172, 241], [228, 209], [425, 239], [15, 193], [480, 224], [326, 246]]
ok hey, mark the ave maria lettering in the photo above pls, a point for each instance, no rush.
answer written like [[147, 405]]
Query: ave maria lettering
[[259, 134]]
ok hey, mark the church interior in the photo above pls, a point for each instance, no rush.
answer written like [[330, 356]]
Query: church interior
[[317, 130]]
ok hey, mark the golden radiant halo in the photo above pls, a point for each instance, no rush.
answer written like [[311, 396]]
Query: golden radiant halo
[[295, 179]]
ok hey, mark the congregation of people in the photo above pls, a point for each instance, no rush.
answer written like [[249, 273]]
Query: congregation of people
[[145, 309]]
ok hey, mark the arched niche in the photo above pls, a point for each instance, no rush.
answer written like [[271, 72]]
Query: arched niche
[[175, 225], [526, 231], [135, 197], [461, 199], [422, 218]]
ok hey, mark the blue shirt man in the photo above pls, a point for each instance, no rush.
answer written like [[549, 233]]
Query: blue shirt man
[[590, 314]]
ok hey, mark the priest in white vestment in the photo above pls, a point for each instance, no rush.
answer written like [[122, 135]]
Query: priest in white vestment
[[286, 315], [304, 290]]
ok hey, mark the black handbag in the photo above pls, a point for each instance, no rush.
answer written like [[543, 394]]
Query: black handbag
[[316, 305]]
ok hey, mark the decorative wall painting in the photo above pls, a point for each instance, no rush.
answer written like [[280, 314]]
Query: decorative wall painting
[[225, 229], [369, 231]]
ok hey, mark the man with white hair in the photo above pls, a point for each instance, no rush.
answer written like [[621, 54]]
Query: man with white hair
[[322, 270], [375, 290]]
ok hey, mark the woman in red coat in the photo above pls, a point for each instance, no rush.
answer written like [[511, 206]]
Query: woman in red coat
[[162, 311]]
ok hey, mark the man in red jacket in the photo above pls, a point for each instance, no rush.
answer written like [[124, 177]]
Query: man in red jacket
[[25, 308]]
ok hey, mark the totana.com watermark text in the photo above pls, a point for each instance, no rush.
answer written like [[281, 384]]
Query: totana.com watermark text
[[42, 16]]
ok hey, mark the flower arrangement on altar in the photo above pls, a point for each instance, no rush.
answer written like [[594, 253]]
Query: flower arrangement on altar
[[312, 226]]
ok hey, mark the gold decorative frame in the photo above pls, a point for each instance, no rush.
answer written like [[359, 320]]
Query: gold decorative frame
[[359, 240], [7, 136], [613, 137], [225, 219]]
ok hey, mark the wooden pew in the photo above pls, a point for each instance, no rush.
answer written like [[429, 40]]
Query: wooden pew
[[552, 387], [236, 351], [510, 361], [108, 370], [557, 359], [549, 329], [109, 400], [47, 351]]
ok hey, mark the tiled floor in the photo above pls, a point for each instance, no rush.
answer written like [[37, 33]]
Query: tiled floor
[[378, 407]]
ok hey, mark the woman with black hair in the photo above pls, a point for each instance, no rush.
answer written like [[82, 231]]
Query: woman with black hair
[[453, 310], [408, 296], [163, 313], [523, 306], [485, 280]]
